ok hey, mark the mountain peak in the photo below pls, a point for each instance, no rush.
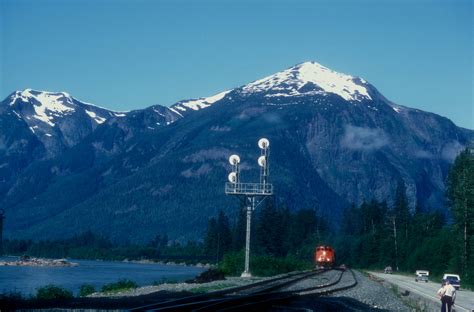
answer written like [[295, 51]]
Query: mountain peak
[[49, 107], [310, 78], [43, 97], [46, 105]]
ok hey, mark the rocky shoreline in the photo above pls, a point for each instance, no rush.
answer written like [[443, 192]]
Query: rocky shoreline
[[148, 261], [39, 262]]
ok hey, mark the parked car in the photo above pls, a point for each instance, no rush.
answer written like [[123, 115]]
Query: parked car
[[453, 279], [422, 275], [388, 270]]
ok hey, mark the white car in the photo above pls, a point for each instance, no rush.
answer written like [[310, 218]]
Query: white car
[[422, 275]]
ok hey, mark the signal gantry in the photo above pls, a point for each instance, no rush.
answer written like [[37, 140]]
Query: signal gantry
[[254, 193]]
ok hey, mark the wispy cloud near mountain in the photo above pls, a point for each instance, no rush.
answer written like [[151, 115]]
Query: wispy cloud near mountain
[[361, 138]]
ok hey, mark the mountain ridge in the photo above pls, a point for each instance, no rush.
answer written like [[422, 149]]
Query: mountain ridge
[[130, 171]]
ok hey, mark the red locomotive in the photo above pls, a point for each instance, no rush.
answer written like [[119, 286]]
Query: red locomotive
[[324, 257]]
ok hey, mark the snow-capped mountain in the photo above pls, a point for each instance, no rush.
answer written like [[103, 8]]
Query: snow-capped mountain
[[49, 107], [305, 79], [58, 120], [197, 104], [310, 78], [335, 140]]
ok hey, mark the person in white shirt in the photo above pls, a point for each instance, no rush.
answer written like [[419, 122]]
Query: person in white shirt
[[447, 293]]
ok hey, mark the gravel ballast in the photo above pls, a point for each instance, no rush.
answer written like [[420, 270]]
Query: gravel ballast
[[373, 294]]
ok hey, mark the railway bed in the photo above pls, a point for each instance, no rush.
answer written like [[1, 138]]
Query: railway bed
[[263, 295], [327, 290]]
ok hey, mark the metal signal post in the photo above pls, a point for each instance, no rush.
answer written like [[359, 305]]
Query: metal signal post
[[254, 193]]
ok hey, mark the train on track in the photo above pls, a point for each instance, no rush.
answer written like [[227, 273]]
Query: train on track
[[324, 257]]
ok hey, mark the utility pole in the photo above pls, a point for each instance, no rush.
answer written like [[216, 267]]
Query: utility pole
[[254, 193]]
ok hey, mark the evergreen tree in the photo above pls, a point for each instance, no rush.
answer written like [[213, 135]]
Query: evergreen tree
[[402, 212], [271, 230], [218, 238], [210, 241], [239, 228], [460, 193], [159, 241], [400, 219], [351, 223], [285, 226], [224, 234], [164, 241], [302, 228]]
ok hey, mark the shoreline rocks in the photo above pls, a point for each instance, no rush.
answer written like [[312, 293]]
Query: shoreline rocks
[[39, 262]]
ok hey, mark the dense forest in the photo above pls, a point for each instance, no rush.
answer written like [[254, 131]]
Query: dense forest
[[371, 236]]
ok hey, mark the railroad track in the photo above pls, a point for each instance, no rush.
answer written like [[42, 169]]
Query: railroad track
[[261, 295], [266, 285]]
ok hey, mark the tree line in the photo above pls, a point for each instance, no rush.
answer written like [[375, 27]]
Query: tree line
[[372, 235], [90, 245], [276, 231]]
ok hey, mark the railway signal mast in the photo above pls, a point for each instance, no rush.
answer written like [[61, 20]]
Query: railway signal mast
[[254, 193]]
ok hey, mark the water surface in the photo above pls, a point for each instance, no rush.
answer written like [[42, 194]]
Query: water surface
[[26, 279]]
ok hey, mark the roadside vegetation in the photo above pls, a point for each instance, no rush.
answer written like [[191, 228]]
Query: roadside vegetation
[[377, 234]]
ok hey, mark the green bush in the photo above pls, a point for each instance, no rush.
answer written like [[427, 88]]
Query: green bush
[[123, 284], [232, 264], [53, 292], [86, 290], [268, 265]]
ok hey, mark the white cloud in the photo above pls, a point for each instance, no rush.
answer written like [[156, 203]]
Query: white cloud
[[361, 138], [451, 150]]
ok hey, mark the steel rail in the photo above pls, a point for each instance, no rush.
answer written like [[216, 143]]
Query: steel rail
[[330, 291], [247, 303], [188, 300]]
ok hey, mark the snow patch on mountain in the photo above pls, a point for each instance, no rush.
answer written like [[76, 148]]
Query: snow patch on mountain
[[310, 78], [197, 104], [175, 111], [47, 105], [94, 116]]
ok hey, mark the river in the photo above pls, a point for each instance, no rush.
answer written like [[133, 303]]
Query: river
[[26, 279]]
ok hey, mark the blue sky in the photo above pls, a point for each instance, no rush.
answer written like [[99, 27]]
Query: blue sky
[[126, 54]]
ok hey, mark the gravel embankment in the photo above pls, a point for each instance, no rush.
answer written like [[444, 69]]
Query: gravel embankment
[[180, 287], [373, 294], [368, 295]]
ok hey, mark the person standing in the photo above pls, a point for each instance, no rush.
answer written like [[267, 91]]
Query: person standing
[[447, 293]]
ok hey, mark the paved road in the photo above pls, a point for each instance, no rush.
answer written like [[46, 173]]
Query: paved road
[[464, 298]]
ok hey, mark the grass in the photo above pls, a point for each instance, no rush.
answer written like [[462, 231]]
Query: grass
[[165, 280], [119, 286], [206, 289]]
